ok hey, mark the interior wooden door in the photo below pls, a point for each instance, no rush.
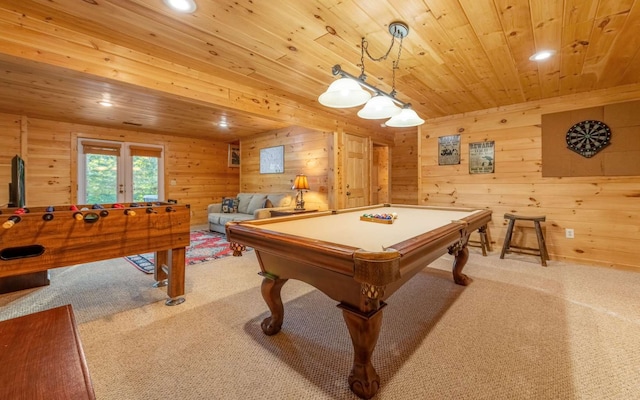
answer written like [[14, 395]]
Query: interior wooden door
[[357, 171], [380, 174]]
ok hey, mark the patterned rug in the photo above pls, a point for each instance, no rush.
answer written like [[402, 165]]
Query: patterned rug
[[205, 246]]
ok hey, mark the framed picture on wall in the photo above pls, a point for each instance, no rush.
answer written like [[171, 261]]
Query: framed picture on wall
[[482, 157], [449, 150], [234, 155], [272, 160]]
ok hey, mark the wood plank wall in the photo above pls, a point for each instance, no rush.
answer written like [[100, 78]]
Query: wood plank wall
[[603, 211], [404, 169], [199, 167], [10, 138], [306, 151]]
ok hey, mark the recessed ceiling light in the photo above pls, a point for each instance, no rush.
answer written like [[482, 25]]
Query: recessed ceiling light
[[542, 55], [222, 123], [185, 6], [105, 103]]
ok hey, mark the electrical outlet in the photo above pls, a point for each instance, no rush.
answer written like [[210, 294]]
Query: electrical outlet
[[569, 233]]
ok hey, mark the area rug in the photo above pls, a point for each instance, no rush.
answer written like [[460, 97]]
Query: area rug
[[205, 246]]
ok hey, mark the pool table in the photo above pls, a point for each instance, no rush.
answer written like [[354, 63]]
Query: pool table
[[357, 262]]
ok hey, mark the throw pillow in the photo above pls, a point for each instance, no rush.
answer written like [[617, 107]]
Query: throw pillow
[[257, 201], [243, 202], [229, 205], [268, 204]]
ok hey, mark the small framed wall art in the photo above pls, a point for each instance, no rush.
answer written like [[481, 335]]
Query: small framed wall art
[[234, 155], [272, 160], [449, 150], [482, 157]]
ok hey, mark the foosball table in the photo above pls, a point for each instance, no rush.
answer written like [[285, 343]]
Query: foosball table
[[36, 239]]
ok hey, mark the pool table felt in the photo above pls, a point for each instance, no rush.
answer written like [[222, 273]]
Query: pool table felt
[[347, 229]]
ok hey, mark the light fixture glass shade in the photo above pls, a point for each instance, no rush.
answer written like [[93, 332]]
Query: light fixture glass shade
[[379, 107], [406, 118], [344, 93], [301, 183]]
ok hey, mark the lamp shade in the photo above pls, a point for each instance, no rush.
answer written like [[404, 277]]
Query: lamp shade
[[301, 183], [344, 93], [406, 118], [379, 107]]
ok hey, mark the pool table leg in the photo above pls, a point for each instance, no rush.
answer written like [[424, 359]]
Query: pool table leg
[[271, 287], [461, 253], [364, 330]]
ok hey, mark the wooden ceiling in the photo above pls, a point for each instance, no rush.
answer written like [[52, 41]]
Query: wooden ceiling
[[262, 64]]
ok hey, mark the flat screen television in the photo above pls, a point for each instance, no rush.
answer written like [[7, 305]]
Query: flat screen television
[[16, 186]]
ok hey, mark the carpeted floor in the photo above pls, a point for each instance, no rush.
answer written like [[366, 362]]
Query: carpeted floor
[[519, 331]]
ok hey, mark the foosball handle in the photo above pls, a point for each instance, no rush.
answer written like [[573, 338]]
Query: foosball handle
[[14, 219]]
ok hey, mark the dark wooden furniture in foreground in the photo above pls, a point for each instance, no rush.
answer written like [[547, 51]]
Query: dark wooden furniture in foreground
[[42, 357], [14, 283], [508, 247], [357, 263], [293, 211], [41, 239]]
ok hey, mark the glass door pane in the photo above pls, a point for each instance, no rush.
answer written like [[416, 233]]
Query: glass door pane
[[145, 178], [101, 183]]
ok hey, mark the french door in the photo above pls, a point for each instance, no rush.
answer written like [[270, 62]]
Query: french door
[[119, 172]]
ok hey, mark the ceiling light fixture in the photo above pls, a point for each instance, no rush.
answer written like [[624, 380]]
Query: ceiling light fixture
[[348, 91], [184, 6], [106, 100], [223, 122], [542, 55]]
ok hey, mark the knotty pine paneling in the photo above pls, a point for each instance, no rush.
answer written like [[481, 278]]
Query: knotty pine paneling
[[306, 151], [603, 211], [10, 139], [404, 169], [198, 167]]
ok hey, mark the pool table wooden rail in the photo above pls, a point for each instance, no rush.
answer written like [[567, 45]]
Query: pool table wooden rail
[[415, 253]]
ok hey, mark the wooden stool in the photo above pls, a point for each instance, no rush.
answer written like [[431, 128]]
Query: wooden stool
[[541, 251], [485, 240]]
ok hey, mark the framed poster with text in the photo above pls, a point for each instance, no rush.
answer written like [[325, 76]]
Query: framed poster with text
[[449, 150], [482, 157]]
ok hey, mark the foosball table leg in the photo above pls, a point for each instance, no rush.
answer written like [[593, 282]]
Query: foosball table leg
[[174, 301], [161, 283]]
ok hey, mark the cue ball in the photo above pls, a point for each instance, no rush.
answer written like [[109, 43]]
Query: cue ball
[[394, 215]]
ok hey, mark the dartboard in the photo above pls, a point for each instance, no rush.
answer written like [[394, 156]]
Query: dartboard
[[588, 137]]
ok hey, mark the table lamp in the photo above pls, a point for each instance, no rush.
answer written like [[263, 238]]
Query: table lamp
[[301, 183]]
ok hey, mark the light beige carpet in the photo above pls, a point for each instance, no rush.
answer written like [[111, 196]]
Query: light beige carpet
[[519, 331]]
